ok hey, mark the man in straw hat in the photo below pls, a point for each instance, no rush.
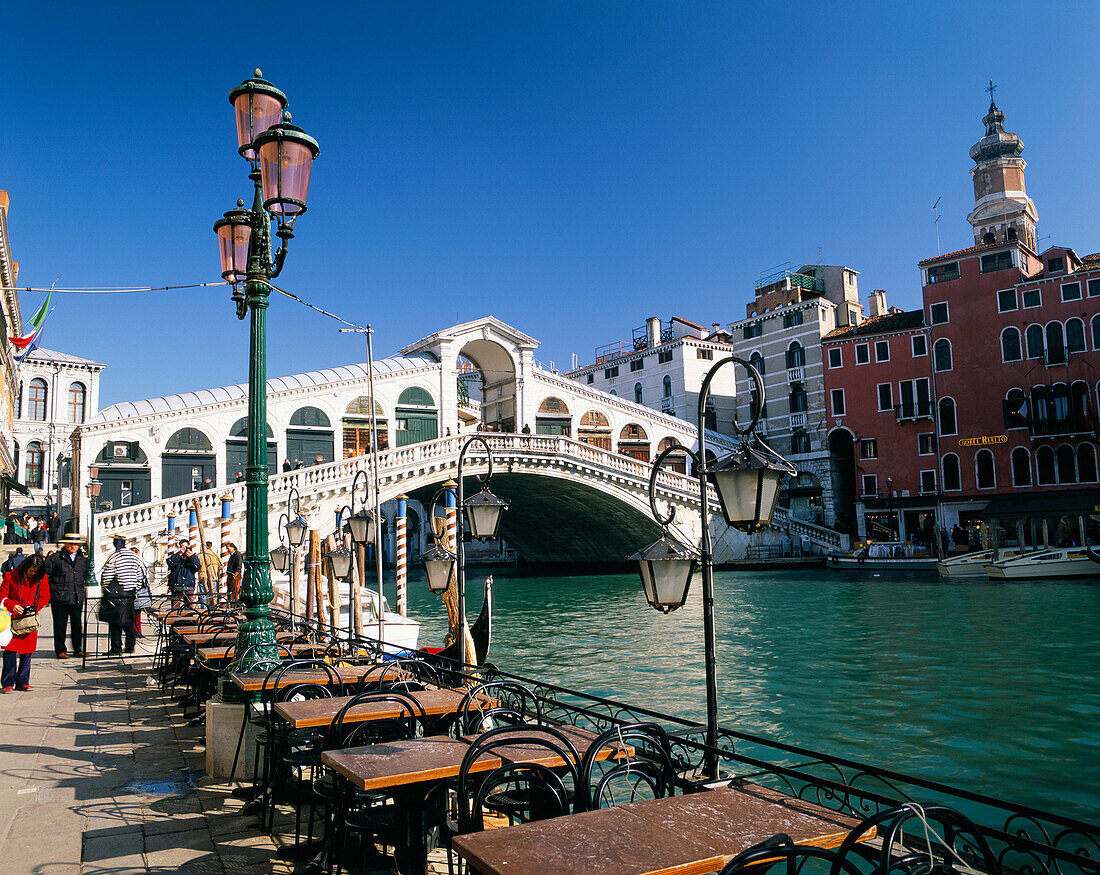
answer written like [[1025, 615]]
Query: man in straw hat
[[123, 574], [66, 570]]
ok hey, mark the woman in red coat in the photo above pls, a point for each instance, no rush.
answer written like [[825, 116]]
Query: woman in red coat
[[22, 588]]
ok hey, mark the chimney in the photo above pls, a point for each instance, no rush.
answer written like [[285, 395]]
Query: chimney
[[715, 327], [876, 303], [653, 331]]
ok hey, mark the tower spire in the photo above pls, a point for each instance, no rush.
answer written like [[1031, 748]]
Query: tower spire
[[1002, 210]]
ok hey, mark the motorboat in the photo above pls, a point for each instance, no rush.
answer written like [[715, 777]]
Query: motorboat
[[399, 634], [972, 565], [1055, 562], [878, 555]]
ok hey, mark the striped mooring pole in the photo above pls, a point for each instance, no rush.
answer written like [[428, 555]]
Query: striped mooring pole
[[227, 513], [402, 556], [192, 528]]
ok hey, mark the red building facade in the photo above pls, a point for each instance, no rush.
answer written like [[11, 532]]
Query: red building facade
[[1004, 392]]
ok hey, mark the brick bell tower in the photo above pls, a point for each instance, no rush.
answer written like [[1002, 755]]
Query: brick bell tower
[[1002, 210]]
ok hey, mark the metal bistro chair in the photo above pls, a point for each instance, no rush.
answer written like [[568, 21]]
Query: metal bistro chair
[[366, 813], [407, 675], [796, 859], [940, 841], [649, 772], [494, 704], [290, 749], [518, 794]]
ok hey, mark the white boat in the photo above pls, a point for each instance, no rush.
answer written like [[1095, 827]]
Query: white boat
[[878, 555], [399, 634], [1056, 562], [972, 565]]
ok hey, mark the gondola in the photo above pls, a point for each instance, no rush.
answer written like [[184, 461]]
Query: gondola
[[481, 632]]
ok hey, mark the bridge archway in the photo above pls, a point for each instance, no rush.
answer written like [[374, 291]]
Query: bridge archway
[[497, 372], [551, 517]]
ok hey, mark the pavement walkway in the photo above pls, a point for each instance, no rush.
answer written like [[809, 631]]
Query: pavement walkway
[[101, 773]]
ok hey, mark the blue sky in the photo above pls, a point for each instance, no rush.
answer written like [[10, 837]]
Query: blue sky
[[569, 167]]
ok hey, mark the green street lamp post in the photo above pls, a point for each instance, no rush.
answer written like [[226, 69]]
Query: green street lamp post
[[747, 483], [280, 156], [92, 487]]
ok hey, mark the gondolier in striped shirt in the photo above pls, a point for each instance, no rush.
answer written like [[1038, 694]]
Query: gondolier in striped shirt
[[122, 575]]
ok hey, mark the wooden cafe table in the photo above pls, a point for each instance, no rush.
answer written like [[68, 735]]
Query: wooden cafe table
[[315, 713], [409, 768], [253, 681], [678, 835]]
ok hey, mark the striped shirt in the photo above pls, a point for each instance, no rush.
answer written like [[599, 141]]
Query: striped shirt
[[123, 570]]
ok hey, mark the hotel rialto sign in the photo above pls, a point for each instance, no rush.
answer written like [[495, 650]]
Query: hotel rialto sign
[[984, 441]]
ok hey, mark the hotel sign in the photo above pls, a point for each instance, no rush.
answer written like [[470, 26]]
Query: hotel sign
[[984, 440]]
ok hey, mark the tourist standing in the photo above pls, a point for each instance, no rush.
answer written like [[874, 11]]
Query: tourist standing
[[66, 570], [234, 566], [13, 561], [38, 535], [123, 575], [182, 567], [25, 588]]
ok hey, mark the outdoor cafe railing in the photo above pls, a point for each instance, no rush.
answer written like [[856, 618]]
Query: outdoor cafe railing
[[1025, 840]]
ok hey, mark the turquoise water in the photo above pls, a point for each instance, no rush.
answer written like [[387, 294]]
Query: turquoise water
[[990, 687]]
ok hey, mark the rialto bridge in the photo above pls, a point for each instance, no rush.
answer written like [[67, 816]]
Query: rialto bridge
[[577, 483]]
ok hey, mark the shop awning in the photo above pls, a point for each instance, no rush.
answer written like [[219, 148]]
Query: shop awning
[[12, 483], [1049, 504]]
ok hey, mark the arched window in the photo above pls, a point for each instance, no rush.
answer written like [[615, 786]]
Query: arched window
[[1075, 335], [1096, 331], [1067, 464], [553, 406], [667, 383], [1059, 404], [1044, 465], [983, 466], [77, 395], [941, 354], [1079, 404], [637, 393], [612, 392], [1056, 342], [951, 480], [1015, 409], [1010, 345], [189, 440], [757, 361], [798, 400], [1021, 467], [1086, 463], [37, 401], [34, 463], [796, 355], [1040, 405], [1034, 341], [674, 461], [947, 417], [310, 417]]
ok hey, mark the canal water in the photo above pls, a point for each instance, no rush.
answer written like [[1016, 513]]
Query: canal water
[[989, 687]]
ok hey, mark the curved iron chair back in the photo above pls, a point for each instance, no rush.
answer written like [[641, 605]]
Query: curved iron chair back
[[539, 791], [548, 738], [334, 679], [515, 705], [422, 672], [940, 850], [780, 848], [405, 725], [647, 773]]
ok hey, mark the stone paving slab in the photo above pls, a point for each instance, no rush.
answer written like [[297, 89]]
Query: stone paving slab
[[73, 752]]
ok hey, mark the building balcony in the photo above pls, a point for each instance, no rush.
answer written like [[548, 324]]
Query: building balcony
[[915, 410], [1081, 425], [667, 405], [796, 374], [798, 420]]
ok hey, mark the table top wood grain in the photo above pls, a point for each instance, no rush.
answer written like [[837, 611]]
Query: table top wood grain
[[403, 763], [679, 835], [313, 713], [253, 681]]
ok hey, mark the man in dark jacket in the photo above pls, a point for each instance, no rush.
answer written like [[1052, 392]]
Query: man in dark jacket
[[66, 570], [182, 567], [13, 562]]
